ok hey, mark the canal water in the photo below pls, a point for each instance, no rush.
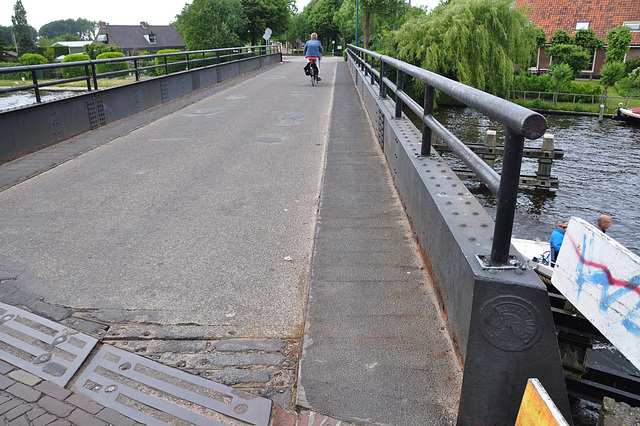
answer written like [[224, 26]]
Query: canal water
[[600, 173], [19, 99]]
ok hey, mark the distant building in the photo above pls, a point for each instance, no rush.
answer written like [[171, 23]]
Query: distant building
[[135, 39], [571, 15], [74, 46]]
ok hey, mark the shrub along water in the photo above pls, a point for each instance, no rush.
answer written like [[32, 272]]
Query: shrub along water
[[74, 71], [114, 66]]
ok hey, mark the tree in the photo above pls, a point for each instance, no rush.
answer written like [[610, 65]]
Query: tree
[[477, 42], [587, 40], [378, 7], [3, 45], [560, 72], [618, 42], [560, 37], [81, 28], [211, 24], [322, 20], [574, 56], [263, 14], [611, 72], [22, 31]]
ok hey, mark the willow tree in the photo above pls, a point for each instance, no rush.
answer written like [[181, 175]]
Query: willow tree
[[477, 42]]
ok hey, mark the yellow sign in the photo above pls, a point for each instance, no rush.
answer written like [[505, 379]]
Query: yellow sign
[[537, 408]]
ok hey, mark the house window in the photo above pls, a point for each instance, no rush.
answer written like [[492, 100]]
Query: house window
[[151, 38], [582, 25], [635, 26]]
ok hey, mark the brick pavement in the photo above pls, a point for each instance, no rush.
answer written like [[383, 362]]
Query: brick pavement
[[28, 400]]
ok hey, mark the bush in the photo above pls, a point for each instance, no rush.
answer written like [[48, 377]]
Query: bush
[[540, 104], [74, 71], [545, 83], [172, 68], [32, 59], [16, 76], [115, 66]]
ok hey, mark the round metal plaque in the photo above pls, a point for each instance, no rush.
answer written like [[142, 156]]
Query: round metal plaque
[[510, 323]]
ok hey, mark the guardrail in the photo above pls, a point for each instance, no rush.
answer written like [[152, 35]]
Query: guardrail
[[32, 127], [498, 315], [520, 123], [192, 59]]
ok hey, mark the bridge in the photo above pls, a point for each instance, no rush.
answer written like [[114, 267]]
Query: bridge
[[258, 234]]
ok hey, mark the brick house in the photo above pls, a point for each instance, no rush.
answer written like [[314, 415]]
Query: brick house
[[571, 15], [135, 39]]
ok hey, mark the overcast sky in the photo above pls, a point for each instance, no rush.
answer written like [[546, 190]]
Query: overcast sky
[[114, 12]]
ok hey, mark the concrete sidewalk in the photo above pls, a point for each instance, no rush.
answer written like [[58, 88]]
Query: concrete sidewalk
[[374, 348]]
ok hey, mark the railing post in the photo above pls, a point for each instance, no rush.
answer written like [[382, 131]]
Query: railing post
[[217, 57], [373, 66], [507, 197], [400, 86], [364, 65], [188, 62], [91, 75], [137, 71], [429, 101], [545, 162], [34, 78], [383, 75], [166, 68]]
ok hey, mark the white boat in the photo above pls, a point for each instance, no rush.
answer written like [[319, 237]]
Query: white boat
[[536, 253]]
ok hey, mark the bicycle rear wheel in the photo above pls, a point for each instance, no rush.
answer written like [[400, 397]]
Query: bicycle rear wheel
[[314, 77]]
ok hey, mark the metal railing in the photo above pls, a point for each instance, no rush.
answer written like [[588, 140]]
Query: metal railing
[[520, 123], [177, 61]]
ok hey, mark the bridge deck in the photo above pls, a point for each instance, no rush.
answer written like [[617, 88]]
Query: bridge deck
[[203, 226]]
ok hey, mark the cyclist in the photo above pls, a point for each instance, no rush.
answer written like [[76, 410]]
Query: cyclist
[[313, 47]]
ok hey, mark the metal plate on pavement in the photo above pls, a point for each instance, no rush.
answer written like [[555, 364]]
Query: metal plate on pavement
[[152, 393], [42, 347]]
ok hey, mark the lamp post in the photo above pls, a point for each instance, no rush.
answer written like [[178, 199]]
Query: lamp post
[[357, 1]]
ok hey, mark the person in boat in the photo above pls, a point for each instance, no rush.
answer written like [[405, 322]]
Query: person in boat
[[555, 241], [604, 222]]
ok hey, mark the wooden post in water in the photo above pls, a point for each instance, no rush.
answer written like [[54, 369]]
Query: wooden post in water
[[545, 162], [490, 143]]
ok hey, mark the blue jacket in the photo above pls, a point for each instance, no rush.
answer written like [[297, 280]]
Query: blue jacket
[[313, 47], [557, 236]]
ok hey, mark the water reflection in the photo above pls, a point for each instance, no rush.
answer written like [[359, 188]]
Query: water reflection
[[599, 174]]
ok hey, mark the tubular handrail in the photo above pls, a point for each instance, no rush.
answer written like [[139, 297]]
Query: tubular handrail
[[520, 123], [91, 76]]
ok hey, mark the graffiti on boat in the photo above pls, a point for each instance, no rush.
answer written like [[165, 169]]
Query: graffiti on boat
[[601, 278]]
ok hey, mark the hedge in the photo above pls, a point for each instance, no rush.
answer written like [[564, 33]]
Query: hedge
[[116, 66], [74, 71], [16, 76], [172, 68]]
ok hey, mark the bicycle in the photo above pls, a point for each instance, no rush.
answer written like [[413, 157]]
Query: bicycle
[[313, 69]]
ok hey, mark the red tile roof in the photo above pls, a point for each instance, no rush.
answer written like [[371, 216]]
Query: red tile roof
[[602, 15]]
